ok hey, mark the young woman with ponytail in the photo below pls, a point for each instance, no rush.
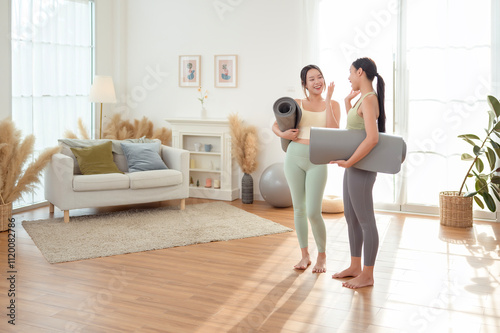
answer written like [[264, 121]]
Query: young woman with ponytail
[[367, 114]]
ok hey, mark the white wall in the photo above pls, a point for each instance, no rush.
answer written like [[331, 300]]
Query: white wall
[[110, 50], [266, 36], [5, 61]]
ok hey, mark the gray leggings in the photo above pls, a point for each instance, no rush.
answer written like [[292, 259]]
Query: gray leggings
[[359, 213]]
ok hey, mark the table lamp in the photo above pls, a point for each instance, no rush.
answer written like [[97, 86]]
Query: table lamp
[[102, 91]]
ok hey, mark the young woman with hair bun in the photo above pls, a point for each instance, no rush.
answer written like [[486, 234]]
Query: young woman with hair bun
[[306, 180]]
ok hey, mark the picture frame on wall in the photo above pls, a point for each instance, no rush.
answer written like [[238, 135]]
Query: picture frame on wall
[[226, 71], [189, 70]]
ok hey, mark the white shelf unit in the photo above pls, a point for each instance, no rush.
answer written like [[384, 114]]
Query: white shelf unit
[[216, 164]]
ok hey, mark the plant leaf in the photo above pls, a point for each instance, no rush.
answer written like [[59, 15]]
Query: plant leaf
[[470, 194], [479, 165], [495, 192], [469, 141], [495, 180], [477, 150], [491, 120], [469, 136], [467, 157], [490, 154], [488, 199], [494, 104], [479, 202], [481, 185], [497, 126]]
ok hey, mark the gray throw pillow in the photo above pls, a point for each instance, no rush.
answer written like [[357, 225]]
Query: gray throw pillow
[[143, 156]]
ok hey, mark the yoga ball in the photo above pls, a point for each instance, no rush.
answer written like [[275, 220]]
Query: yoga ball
[[274, 187]]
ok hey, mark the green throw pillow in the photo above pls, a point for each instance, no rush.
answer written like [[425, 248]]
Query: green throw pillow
[[96, 159]]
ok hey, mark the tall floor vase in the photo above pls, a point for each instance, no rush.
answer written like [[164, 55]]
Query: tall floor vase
[[247, 189], [5, 215]]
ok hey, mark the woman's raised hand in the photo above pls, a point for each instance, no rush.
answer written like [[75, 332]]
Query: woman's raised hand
[[329, 92], [352, 94]]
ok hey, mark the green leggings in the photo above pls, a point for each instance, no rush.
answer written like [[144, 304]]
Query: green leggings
[[307, 183]]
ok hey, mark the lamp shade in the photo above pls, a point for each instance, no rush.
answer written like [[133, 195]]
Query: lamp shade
[[103, 90]]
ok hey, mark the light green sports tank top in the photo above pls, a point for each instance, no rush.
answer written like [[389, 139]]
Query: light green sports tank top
[[354, 120]]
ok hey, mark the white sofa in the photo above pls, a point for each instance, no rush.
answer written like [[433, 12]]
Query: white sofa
[[66, 189]]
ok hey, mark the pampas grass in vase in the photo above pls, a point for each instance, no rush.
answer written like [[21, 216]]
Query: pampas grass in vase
[[244, 148], [15, 178]]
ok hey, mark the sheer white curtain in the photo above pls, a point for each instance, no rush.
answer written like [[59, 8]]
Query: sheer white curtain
[[51, 70], [348, 30], [436, 59], [449, 66]]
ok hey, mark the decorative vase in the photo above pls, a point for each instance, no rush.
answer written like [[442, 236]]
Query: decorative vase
[[5, 215], [455, 210], [247, 189], [203, 112]]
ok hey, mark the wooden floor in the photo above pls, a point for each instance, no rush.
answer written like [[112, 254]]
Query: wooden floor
[[428, 278]]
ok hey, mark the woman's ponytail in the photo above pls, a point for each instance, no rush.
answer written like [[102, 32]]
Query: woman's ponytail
[[381, 99], [370, 68]]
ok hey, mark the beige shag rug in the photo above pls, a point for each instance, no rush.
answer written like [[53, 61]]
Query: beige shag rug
[[131, 231]]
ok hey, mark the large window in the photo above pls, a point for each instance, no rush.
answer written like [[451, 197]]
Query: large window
[[449, 76], [52, 67], [342, 39], [437, 66]]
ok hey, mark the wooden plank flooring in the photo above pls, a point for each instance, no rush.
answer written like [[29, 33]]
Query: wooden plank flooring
[[428, 278]]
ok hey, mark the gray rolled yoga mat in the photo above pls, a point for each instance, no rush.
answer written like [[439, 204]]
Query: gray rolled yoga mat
[[288, 115], [330, 144]]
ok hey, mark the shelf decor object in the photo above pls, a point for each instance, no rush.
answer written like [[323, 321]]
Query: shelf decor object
[[209, 144]]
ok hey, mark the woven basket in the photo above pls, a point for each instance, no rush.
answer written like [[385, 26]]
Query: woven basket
[[455, 210], [5, 215]]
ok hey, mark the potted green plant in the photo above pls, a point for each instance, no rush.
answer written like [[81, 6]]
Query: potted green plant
[[456, 206], [15, 178]]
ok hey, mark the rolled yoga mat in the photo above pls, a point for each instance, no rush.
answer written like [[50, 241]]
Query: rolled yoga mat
[[288, 115], [330, 144]]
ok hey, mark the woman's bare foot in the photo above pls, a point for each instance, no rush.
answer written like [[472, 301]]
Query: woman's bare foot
[[362, 280], [348, 272], [320, 266], [303, 263]]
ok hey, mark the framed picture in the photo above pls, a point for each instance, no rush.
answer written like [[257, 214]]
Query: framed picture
[[226, 71], [189, 71]]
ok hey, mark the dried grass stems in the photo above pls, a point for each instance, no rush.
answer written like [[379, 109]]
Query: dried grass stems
[[119, 129], [15, 179], [244, 144], [81, 128]]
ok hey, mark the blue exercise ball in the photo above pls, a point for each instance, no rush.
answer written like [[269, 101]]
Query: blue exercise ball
[[274, 187]]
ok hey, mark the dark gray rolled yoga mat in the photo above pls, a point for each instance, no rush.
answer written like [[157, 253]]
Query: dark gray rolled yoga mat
[[330, 144], [288, 115]]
